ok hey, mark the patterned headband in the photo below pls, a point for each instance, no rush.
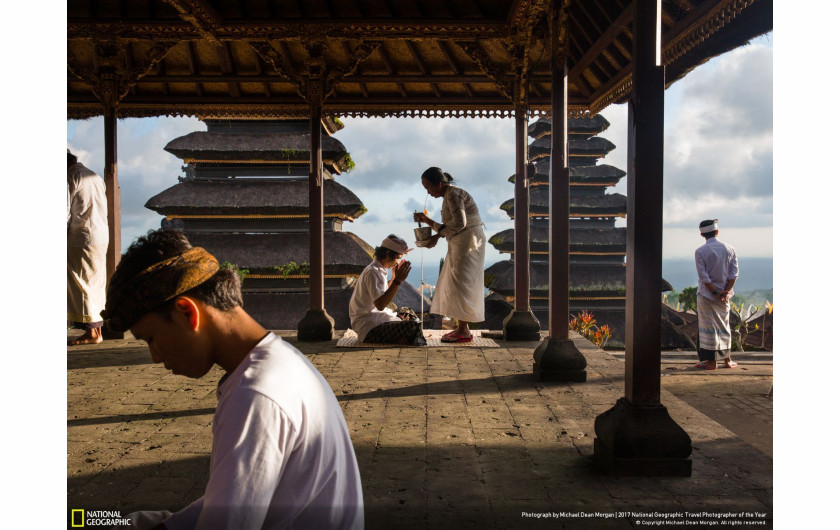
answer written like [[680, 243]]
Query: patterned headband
[[163, 281]]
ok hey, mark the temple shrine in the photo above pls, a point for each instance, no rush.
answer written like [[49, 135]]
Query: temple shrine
[[244, 199], [597, 246]]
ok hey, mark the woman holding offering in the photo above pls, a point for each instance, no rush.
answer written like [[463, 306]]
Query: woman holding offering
[[459, 293]]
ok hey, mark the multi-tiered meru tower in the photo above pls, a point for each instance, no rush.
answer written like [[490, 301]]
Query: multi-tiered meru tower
[[245, 199], [597, 246]]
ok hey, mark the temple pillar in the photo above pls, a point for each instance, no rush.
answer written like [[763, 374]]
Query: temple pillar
[[112, 194], [316, 324], [638, 436], [521, 324], [557, 358]]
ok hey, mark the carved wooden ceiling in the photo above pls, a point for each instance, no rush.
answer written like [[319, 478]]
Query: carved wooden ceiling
[[255, 58]]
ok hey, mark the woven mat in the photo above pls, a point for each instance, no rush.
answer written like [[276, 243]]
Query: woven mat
[[351, 340]]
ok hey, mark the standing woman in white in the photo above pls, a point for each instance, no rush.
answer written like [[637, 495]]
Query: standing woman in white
[[459, 293]]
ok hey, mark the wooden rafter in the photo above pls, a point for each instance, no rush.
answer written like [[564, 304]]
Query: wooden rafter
[[201, 15], [457, 70], [389, 66], [424, 69]]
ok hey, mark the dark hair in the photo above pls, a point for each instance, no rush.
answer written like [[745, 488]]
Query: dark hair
[[222, 291], [436, 175], [382, 253], [71, 158]]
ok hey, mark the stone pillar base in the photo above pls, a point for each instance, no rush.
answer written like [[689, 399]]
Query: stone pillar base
[[559, 360], [521, 326], [316, 325], [634, 440]]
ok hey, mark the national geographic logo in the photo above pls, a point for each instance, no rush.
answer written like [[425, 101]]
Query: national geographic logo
[[91, 518]]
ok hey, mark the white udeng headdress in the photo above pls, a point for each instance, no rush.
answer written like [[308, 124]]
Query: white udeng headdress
[[710, 228]]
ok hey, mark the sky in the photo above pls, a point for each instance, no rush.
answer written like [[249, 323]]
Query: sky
[[718, 161]]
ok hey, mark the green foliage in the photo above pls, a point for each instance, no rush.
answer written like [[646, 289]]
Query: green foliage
[[672, 299], [348, 162], [292, 268], [243, 273], [688, 299], [585, 324], [489, 279]]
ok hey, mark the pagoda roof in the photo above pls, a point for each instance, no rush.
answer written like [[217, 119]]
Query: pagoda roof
[[585, 125], [592, 147], [607, 278], [592, 175], [581, 241], [256, 147], [584, 278], [252, 197], [607, 205], [344, 252], [234, 58]]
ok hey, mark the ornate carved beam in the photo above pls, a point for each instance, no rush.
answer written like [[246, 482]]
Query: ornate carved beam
[[201, 15], [294, 29]]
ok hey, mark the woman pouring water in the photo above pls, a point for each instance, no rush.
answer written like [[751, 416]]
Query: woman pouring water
[[459, 293]]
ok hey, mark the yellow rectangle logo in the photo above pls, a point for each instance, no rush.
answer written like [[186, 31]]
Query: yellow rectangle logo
[[81, 523]]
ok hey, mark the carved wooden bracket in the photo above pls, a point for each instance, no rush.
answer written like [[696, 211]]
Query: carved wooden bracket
[[359, 54], [111, 81], [278, 62], [316, 68], [500, 77]]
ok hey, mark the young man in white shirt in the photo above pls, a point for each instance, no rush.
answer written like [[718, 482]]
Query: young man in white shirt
[[282, 455], [370, 316]]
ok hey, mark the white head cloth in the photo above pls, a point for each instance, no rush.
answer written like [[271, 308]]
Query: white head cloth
[[396, 244], [711, 228]]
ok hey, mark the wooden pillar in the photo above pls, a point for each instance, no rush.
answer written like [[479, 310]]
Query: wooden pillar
[[316, 324], [112, 192], [521, 324], [557, 358], [638, 436]]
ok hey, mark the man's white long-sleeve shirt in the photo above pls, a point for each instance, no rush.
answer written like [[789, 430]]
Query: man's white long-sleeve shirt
[[716, 264]]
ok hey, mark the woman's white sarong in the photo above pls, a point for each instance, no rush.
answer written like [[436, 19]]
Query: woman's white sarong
[[459, 293], [86, 278]]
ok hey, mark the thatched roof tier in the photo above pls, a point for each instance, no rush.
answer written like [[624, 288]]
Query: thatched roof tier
[[286, 310], [239, 225], [330, 125], [263, 171], [590, 242], [586, 175], [609, 205], [252, 197], [279, 254], [585, 280], [258, 147], [592, 147], [585, 126]]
